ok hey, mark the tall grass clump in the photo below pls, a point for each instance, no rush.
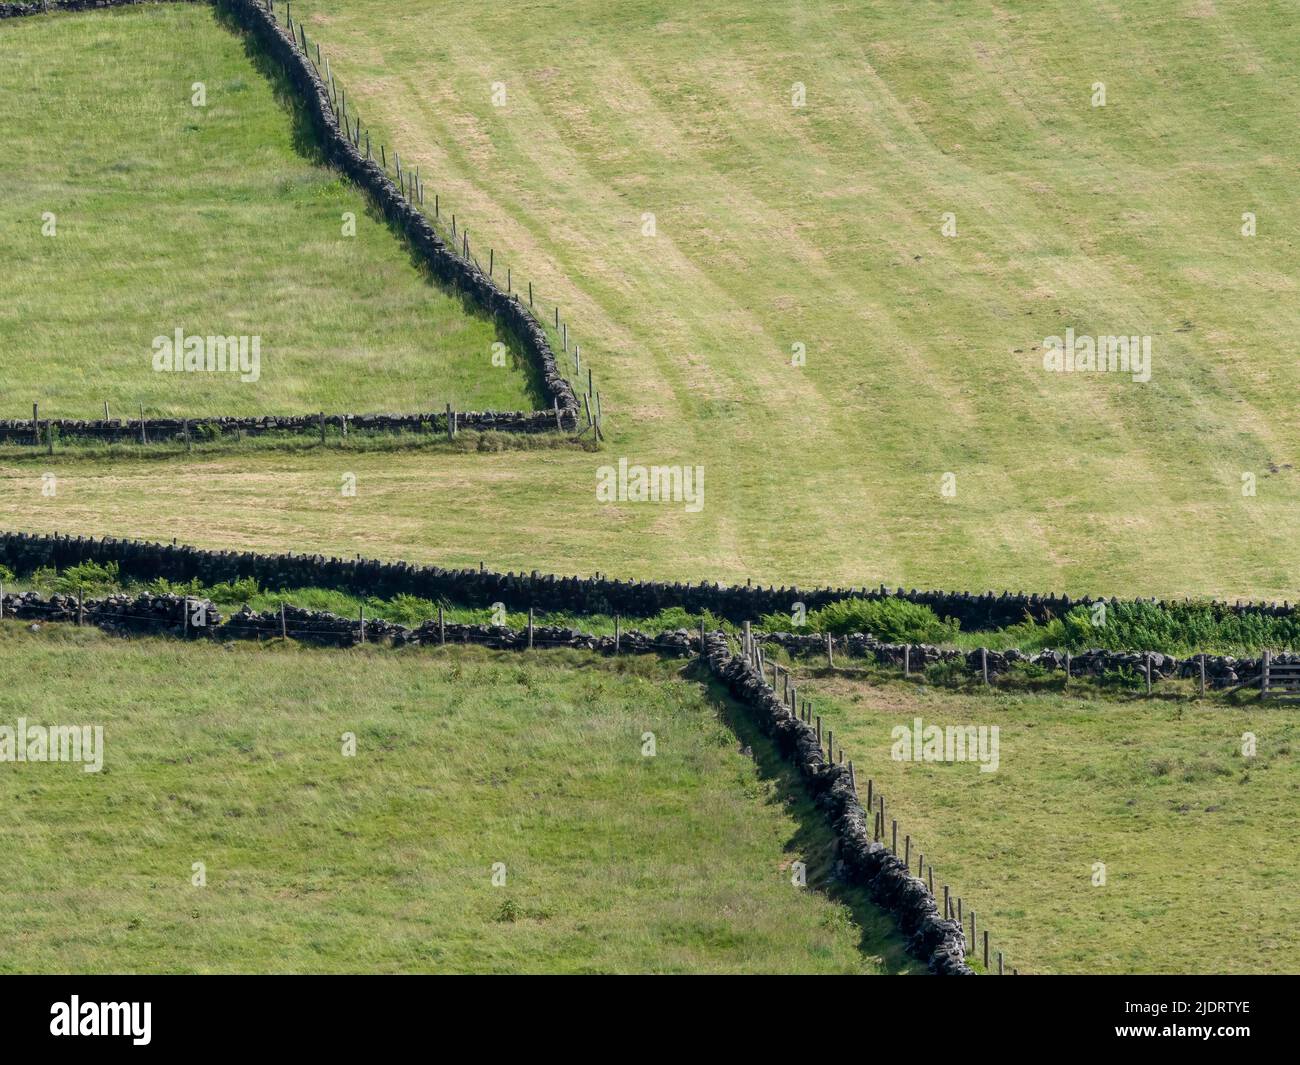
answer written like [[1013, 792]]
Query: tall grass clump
[[892, 620], [1178, 629]]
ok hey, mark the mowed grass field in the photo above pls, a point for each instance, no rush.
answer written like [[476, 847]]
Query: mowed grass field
[[213, 219], [820, 225], [383, 861], [1200, 844]]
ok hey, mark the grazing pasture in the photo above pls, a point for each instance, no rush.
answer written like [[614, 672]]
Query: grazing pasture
[[1199, 843], [383, 862], [130, 212]]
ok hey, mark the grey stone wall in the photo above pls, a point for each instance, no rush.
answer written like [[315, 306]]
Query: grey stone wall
[[863, 861], [23, 552], [1221, 671]]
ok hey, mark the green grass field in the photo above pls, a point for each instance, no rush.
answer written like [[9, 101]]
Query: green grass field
[[775, 225], [382, 862], [211, 219], [1200, 844]]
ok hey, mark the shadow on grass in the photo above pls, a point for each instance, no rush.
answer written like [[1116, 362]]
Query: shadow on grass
[[308, 145], [813, 842]]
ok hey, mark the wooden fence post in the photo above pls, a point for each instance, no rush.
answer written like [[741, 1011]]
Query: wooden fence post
[[984, 664], [284, 628], [361, 620], [81, 612], [442, 627], [1148, 671], [530, 628], [322, 427], [616, 634], [1201, 686], [830, 651], [1067, 670], [907, 661], [1263, 675], [986, 948]]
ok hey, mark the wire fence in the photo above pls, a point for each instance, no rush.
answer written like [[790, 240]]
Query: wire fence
[[545, 310], [885, 829]]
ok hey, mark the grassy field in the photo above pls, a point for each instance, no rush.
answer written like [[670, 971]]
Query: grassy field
[[382, 862], [1199, 843], [212, 219], [820, 225]]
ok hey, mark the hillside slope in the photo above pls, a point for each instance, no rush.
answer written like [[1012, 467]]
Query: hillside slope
[[820, 225], [383, 861]]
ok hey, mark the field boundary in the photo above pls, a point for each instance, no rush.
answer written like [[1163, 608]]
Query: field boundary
[[24, 552], [461, 272], [1213, 671], [933, 937], [194, 617]]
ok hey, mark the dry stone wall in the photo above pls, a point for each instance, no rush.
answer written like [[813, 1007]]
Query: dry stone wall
[[1221, 671], [862, 860], [193, 617], [24, 552]]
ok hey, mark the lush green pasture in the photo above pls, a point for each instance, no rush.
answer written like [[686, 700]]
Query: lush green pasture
[[1201, 845], [820, 225], [215, 220], [382, 862]]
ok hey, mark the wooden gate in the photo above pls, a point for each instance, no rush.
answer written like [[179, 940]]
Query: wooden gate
[[1279, 680]]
